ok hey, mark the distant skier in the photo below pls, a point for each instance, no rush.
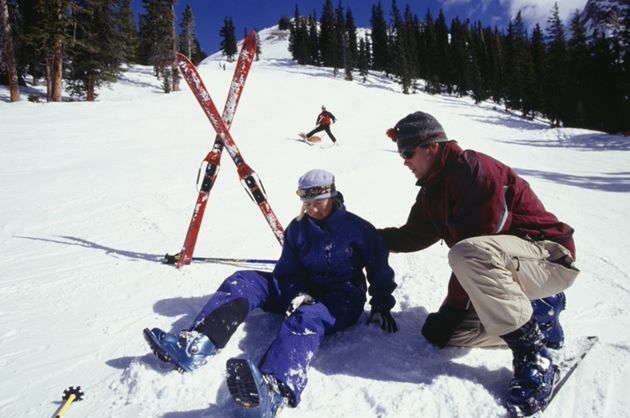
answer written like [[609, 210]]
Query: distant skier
[[323, 122], [318, 285], [511, 259]]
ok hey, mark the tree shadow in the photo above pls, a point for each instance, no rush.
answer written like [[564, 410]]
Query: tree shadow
[[80, 242], [595, 141], [611, 182]]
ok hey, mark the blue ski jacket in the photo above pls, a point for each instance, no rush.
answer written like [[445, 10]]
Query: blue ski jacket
[[325, 256]]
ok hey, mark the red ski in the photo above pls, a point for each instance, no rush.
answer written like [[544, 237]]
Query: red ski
[[213, 159], [248, 177]]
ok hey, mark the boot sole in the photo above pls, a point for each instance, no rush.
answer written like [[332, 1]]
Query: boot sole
[[242, 383]]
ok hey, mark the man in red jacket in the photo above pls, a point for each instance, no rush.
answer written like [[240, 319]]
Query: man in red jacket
[[510, 257], [323, 122]]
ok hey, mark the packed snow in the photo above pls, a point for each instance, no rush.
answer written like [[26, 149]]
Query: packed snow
[[94, 194]]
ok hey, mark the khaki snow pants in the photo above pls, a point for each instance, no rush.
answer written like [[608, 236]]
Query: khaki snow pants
[[501, 275]]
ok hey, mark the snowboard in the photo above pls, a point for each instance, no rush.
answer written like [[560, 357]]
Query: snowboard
[[566, 360]]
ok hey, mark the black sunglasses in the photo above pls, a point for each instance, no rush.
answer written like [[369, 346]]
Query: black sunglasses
[[408, 153]]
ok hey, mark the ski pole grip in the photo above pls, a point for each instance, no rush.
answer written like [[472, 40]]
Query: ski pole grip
[[69, 396]]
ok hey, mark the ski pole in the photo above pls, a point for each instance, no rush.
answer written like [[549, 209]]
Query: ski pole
[[174, 258], [70, 395], [234, 260]]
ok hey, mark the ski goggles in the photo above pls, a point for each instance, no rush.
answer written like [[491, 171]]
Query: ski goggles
[[312, 192], [408, 153]]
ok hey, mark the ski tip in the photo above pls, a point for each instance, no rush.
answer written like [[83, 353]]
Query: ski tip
[[182, 58], [250, 38]]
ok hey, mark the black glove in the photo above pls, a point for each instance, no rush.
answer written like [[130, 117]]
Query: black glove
[[384, 318], [440, 326]]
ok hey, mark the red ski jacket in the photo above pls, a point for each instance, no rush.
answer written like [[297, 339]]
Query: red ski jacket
[[470, 194], [325, 118]]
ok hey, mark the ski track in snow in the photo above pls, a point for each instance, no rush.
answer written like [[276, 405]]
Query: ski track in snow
[[94, 194]]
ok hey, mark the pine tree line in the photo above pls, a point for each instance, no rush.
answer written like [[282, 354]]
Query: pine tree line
[[86, 43], [569, 77]]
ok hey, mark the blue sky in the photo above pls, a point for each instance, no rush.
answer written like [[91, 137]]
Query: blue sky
[[259, 14]]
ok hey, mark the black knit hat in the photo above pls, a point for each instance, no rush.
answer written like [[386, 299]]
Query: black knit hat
[[417, 129]]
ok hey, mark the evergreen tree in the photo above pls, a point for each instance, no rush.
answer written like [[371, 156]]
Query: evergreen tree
[[187, 32], [228, 42], [284, 23], [258, 47], [49, 36], [519, 72], [460, 58], [313, 40], [342, 42], [606, 102], [352, 46], [539, 59], [624, 61], [126, 26], [445, 70], [578, 64], [187, 40], [158, 39], [478, 59], [298, 39], [363, 58], [411, 27], [495, 75], [198, 53], [557, 69], [431, 56], [29, 53], [379, 38], [399, 59], [328, 35], [97, 48], [9, 52]]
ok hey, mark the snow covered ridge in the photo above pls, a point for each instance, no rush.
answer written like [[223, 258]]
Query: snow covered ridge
[[93, 194], [605, 16]]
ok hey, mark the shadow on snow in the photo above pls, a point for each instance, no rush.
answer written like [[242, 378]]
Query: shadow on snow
[[134, 255], [611, 182]]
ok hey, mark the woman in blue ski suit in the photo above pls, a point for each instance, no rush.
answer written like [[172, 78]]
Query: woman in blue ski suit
[[319, 286]]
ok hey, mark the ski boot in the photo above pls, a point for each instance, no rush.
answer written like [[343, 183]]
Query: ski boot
[[259, 395], [186, 351], [547, 313], [534, 373]]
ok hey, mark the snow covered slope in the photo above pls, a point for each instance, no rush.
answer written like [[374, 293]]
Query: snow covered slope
[[93, 194]]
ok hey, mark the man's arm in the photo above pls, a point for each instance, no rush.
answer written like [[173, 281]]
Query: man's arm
[[416, 234]]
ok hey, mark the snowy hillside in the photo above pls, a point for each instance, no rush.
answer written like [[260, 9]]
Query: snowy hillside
[[93, 194]]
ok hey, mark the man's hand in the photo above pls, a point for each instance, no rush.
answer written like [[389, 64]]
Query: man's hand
[[440, 326], [384, 318], [300, 299]]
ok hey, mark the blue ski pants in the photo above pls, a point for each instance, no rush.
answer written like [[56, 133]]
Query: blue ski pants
[[299, 337]]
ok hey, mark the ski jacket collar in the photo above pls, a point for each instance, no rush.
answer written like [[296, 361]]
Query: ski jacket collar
[[449, 148]]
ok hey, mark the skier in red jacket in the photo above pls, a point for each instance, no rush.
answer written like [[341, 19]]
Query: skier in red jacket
[[511, 259], [323, 122]]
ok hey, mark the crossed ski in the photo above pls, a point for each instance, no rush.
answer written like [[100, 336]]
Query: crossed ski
[[223, 139]]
